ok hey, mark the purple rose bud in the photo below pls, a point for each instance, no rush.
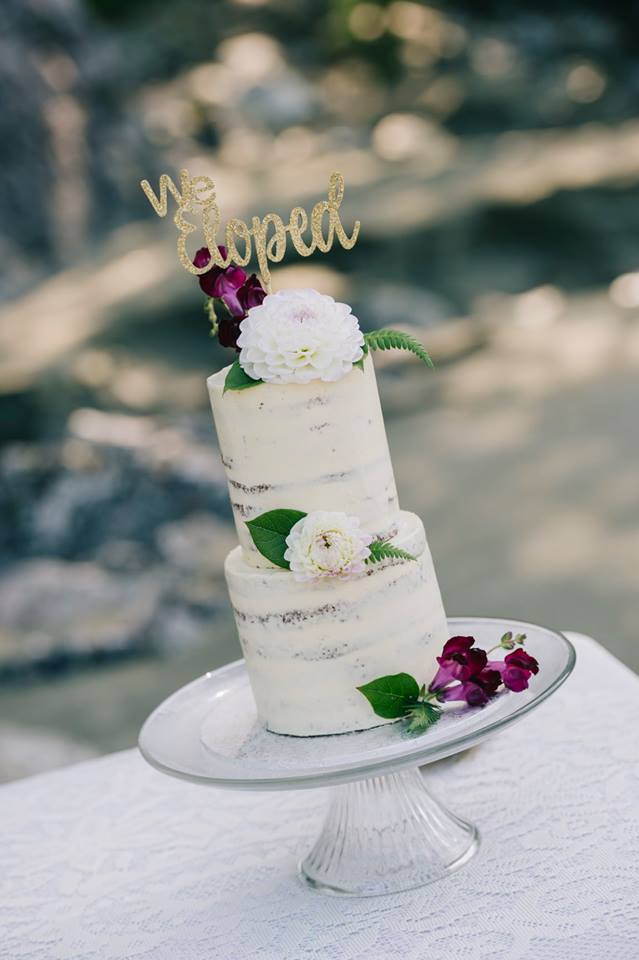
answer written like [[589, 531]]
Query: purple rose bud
[[515, 669], [515, 679], [237, 292], [457, 645], [201, 258], [476, 691], [219, 282], [238, 302], [519, 666], [251, 294], [226, 287], [459, 661], [519, 658], [228, 331]]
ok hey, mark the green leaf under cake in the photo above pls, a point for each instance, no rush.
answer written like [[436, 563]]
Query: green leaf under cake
[[237, 379], [270, 530], [391, 697]]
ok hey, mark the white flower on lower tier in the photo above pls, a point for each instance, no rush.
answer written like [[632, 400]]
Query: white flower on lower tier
[[327, 544], [299, 335]]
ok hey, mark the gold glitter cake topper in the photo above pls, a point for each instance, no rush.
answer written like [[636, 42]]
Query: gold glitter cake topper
[[267, 236]]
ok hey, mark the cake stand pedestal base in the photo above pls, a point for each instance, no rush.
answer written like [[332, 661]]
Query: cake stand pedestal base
[[386, 834]]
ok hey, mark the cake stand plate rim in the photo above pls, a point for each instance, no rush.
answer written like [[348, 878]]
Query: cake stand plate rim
[[416, 751]]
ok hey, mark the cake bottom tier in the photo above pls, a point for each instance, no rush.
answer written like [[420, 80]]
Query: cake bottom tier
[[308, 646]]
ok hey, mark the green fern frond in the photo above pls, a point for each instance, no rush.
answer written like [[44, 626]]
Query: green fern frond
[[383, 550], [421, 716], [396, 340]]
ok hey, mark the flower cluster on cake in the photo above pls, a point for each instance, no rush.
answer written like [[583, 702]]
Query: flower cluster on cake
[[332, 584]]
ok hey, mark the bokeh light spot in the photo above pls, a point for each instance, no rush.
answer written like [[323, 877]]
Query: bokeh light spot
[[367, 21], [253, 56], [585, 83], [624, 291], [540, 306], [409, 20], [401, 136], [493, 58]]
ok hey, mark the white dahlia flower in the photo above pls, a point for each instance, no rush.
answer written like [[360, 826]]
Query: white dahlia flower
[[299, 335], [325, 544]]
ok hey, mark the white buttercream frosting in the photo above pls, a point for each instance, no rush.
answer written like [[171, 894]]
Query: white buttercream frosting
[[295, 336], [311, 446], [308, 646]]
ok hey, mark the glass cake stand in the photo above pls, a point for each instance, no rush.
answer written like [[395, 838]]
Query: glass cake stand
[[384, 831]]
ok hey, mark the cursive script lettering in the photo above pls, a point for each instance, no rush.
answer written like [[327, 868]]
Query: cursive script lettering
[[266, 238]]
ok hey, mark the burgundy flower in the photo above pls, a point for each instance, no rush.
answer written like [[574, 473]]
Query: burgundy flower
[[515, 669], [459, 661], [202, 257], [251, 294], [221, 283], [229, 330], [237, 292], [476, 691], [457, 645]]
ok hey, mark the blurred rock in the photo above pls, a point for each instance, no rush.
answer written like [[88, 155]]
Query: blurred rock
[[390, 305], [72, 498], [124, 556], [112, 544], [54, 611], [194, 550], [71, 152], [198, 543], [180, 629], [281, 102]]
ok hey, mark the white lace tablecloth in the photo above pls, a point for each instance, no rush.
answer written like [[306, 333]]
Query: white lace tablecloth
[[109, 860]]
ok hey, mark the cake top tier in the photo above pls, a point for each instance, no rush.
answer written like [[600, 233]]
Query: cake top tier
[[308, 446]]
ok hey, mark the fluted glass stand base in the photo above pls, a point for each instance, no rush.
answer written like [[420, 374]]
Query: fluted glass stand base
[[386, 834]]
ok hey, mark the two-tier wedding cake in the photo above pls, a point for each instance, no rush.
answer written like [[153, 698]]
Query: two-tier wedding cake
[[332, 585]]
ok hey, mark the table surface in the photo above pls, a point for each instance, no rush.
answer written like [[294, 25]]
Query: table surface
[[113, 861]]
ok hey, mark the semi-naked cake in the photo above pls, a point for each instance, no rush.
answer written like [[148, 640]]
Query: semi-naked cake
[[318, 446]]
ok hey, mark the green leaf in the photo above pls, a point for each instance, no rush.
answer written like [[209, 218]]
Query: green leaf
[[396, 340], [391, 697], [360, 363], [421, 716], [383, 550], [237, 379], [269, 532]]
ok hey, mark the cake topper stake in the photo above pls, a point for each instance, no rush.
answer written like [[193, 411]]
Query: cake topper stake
[[267, 236]]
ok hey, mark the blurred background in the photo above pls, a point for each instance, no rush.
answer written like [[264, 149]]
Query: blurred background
[[491, 152]]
